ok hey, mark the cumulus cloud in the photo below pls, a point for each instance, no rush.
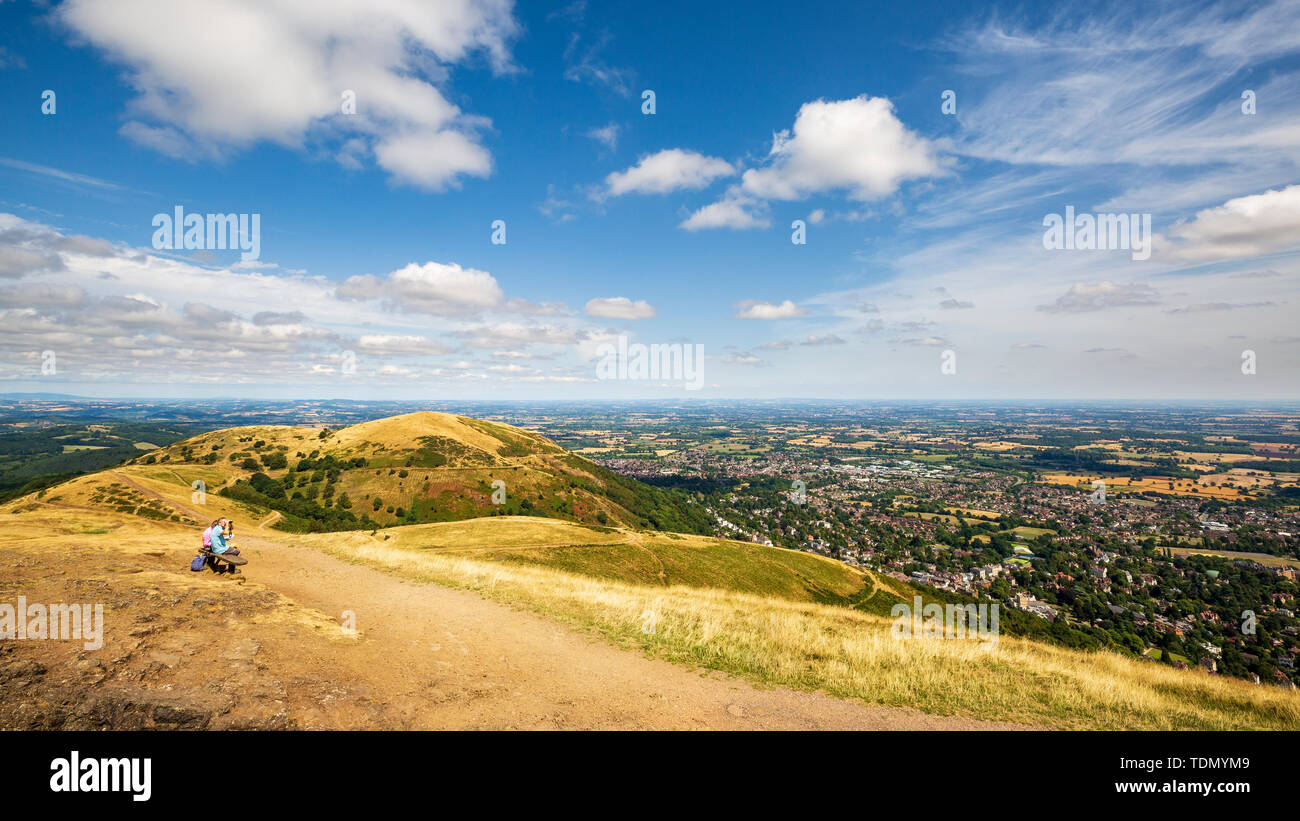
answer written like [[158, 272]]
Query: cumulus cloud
[[530, 308], [277, 71], [19, 262], [827, 339], [857, 145], [619, 307], [433, 159], [1083, 297], [431, 288], [132, 317], [397, 370], [400, 345], [1242, 227], [276, 318], [754, 309], [41, 295], [735, 210], [672, 169], [517, 335]]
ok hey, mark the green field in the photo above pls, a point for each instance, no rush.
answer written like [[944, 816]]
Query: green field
[[1266, 559], [633, 557]]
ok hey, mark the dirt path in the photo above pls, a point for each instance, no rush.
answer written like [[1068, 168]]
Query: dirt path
[[269, 520], [450, 659], [435, 657]]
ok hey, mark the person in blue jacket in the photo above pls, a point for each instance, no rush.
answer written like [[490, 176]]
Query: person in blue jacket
[[221, 533]]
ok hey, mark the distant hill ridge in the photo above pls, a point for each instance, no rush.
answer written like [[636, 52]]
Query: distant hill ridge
[[417, 468]]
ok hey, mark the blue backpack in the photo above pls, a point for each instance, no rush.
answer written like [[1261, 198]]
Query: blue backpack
[[198, 563]]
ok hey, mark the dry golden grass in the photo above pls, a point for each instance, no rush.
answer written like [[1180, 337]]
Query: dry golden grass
[[974, 511], [852, 654], [406, 430], [1216, 458], [496, 531], [1167, 486]]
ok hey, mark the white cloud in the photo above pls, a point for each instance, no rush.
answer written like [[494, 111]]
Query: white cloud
[[857, 145], [433, 159], [530, 308], [826, 339], [584, 64], [18, 262], [516, 335], [620, 307], [753, 309], [399, 344], [431, 288], [219, 75], [606, 135], [924, 341], [41, 295], [1098, 296], [672, 169], [732, 211], [118, 315], [1040, 93], [1242, 227]]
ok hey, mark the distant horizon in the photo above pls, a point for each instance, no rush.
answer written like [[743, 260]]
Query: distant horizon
[[1183, 401]]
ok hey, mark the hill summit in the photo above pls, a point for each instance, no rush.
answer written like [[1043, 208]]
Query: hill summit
[[417, 468]]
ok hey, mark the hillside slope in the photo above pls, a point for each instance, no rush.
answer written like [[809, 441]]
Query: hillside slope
[[622, 555], [416, 468], [266, 649]]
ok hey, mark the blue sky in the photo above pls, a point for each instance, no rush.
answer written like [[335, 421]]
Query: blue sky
[[377, 274]]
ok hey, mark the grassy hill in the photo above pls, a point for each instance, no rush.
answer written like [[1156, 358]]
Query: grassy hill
[[418, 468], [783, 618]]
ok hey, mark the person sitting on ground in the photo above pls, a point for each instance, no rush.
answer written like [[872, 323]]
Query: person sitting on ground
[[220, 546]]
